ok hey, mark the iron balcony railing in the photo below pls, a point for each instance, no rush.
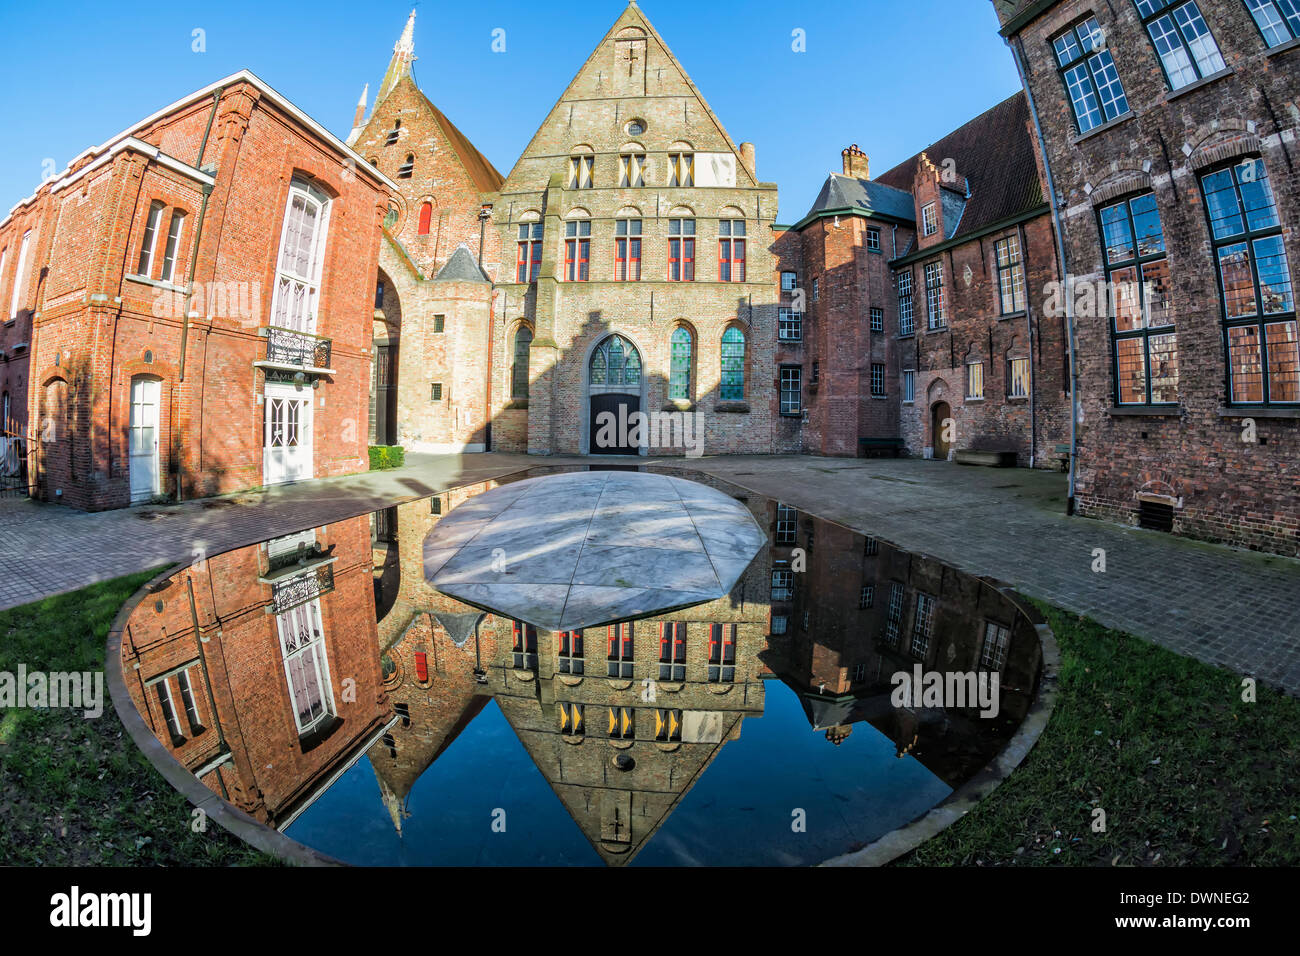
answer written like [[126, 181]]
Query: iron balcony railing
[[301, 588], [298, 349]]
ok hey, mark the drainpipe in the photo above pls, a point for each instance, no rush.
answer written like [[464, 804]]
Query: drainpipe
[[1033, 374], [484, 214], [189, 285], [1017, 54]]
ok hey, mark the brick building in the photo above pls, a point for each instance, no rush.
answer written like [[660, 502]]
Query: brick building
[[186, 315], [638, 274], [257, 668], [433, 323], [1170, 132], [906, 317]]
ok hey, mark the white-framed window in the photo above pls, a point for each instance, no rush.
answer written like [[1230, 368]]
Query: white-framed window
[[789, 325], [171, 252], [306, 668], [1182, 39], [1089, 73], [1278, 20], [782, 583], [866, 597], [929, 219], [934, 298], [906, 322], [923, 625], [1011, 275], [631, 170], [177, 692], [877, 380], [909, 386], [681, 168], [580, 171], [975, 379], [791, 389], [20, 275], [298, 265], [787, 526], [877, 320], [894, 618], [993, 655], [1018, 378], [780, 624], [789, 281], [873, 239], [150, 239]]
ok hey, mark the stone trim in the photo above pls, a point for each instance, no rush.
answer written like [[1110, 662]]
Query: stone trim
[[1134, 183], [1207, 156]]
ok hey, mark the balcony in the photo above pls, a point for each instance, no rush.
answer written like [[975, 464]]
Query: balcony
[[300, 585], [288, 350]]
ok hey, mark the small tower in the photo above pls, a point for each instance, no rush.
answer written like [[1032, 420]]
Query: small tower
[[359, 120], [403, 57]]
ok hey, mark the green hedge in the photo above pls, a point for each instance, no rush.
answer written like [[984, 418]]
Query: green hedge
[[383, 457]]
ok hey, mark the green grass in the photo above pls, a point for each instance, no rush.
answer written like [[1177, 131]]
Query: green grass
[[76, 791], [384, 457], [1187, 773]]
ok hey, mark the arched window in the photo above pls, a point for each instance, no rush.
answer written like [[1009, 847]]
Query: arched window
[[679, 378], [519, 367], [298, 270], [733, 365], [426, 216], [394, 133], [405, 170], [4, 412], [616, 364]]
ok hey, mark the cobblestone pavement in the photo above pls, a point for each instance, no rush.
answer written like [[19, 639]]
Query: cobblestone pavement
[[1236, 609]]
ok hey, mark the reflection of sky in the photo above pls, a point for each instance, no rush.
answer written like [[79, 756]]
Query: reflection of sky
[[739, 811]]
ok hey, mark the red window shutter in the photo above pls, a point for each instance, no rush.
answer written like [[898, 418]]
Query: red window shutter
[[426, 217], [421, 667]]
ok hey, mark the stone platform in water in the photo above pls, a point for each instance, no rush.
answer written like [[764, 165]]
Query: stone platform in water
[[580, 549]]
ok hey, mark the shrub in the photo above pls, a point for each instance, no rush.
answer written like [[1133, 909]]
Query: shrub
[[383, 457]]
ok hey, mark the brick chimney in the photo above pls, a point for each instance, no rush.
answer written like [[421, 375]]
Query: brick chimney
[[856, 163], [749, 155]]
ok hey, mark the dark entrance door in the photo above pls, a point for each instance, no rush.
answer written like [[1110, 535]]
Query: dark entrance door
[[383, 397], [613, 436]]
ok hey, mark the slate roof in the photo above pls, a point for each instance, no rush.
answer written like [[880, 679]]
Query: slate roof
[[995, 153], [462, 267], [846, 194]]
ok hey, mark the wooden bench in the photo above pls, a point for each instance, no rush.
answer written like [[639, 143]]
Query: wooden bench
[[1003, 458], [880, 447]]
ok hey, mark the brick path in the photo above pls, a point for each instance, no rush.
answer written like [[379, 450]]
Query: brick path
[[1236, 609]]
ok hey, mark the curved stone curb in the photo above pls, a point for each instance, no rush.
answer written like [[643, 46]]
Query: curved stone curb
[[964, 799], [251, 831]]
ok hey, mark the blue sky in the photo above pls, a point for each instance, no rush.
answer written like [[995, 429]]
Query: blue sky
[[890, 75]]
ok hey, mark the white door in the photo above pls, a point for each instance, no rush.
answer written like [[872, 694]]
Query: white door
[[288, 443], [143, 452]]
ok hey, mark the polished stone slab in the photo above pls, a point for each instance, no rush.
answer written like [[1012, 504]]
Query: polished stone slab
[[580, 549]]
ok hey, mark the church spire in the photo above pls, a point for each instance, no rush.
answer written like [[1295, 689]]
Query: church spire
[[359, 120], [403, 57]]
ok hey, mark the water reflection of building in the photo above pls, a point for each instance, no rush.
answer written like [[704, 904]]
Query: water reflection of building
[[863, 611], [257, 668], [620, 720]]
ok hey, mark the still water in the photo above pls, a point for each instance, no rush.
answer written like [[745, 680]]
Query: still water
[[319, 683]]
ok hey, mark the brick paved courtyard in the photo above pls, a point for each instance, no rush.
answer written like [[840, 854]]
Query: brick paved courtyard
[[1236, 609]]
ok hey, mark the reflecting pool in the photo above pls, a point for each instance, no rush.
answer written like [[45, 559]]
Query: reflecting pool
[[319, 683]]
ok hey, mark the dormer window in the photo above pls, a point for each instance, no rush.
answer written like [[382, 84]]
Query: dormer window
[[929, 219]]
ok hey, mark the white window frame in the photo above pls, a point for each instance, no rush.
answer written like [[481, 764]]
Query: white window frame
[[172, 248], [19, 275], [310, 280], [681, 168], [993, 652], [149, 242], [909, 386], [929, 219], [319, 659], [975, 379]]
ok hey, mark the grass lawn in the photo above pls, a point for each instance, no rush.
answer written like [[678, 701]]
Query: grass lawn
[[1187, 773], [75, 791]]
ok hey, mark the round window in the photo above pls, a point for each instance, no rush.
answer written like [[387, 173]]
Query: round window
[[635, 128]]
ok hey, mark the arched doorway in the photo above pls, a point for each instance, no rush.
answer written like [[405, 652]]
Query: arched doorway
[[614, 384], [383, 380], [940, 414]]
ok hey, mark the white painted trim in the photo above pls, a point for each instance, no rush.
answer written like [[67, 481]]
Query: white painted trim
[[126, 139]]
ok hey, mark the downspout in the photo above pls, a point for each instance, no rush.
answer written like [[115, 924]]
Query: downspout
[[1033, 373], [1067, 285], [194, 262], [483, 216]]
